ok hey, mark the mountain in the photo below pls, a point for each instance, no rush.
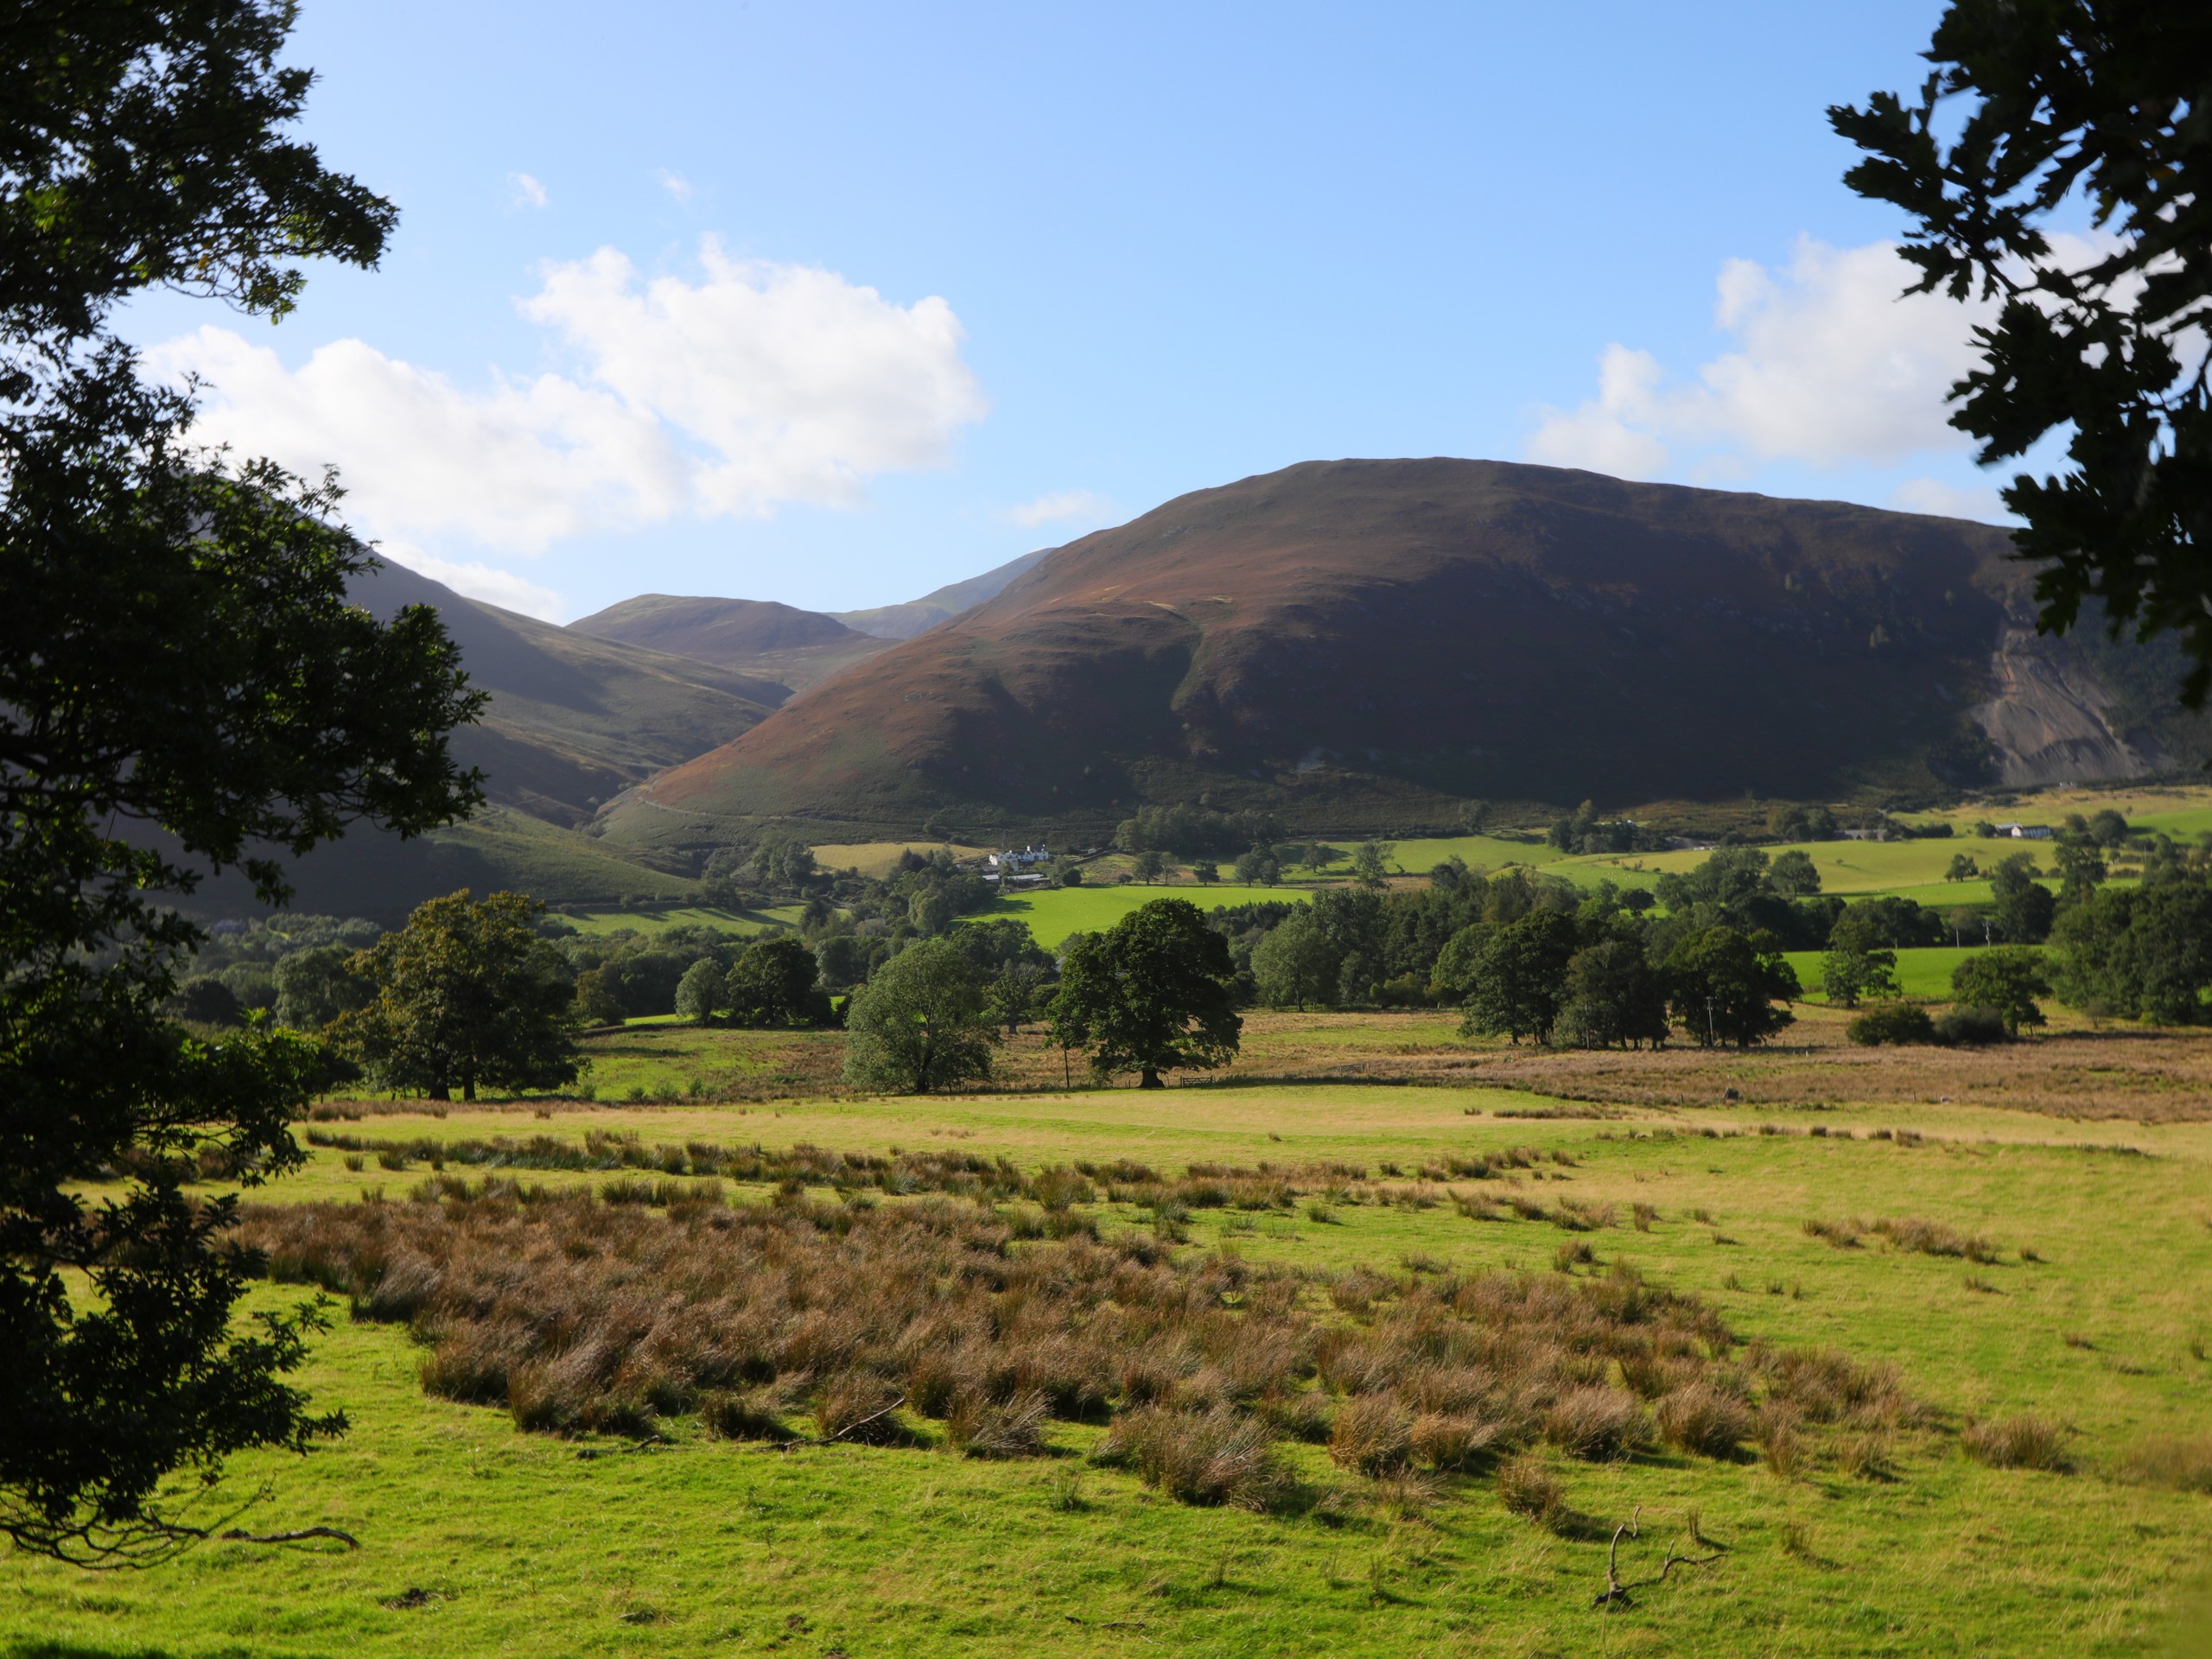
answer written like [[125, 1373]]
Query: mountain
[[756, 637], [574, 721], [920, 615], [1369, 643]]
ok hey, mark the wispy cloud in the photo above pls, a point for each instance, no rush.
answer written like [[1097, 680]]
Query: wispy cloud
[[528, 192], [1059, 507], [677, 186]]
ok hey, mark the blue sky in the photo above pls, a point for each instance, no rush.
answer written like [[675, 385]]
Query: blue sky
[[834, 303]]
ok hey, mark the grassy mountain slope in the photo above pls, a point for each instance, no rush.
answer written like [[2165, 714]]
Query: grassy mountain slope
[[918, 615], [759, 638], [572, 721], [1370, 641], [575, 721]]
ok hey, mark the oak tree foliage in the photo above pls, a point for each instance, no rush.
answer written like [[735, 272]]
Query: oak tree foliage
[[2034, 108], [184, 689]]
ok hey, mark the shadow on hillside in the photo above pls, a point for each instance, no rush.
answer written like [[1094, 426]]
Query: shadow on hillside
[[79, 1650]]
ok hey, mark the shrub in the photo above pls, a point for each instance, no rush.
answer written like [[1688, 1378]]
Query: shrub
[[1892, 1022], [1452, 1442], [1373, 1433], [744, 1414], [1014, 1429], [1215, 1458], [858, 1406], [1527, 1488], [1705, 1419], [1596, 1423], [1971, 1028], [2023, 1442]]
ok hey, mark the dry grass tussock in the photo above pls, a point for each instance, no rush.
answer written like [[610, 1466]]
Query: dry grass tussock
[[2023, 1442], [2127, 1074], [871, 1319], [1916, 1233], [910, 1170]]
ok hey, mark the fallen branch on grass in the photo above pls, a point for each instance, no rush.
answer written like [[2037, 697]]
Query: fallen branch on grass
[[832, 1439], [1616, 1594], [240, 1535]]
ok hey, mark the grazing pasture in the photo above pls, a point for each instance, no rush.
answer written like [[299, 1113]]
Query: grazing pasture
[[1055, 912], [2001, 1451]]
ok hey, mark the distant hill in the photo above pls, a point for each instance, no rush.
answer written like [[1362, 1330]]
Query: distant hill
[[920, 615], [755, 637], [1373, 642], [572, 721]]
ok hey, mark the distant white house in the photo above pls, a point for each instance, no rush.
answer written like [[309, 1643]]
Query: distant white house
[[2025, 831], [1016, 867]]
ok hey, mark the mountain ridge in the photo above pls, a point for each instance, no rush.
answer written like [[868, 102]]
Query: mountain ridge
[[1353, 637]]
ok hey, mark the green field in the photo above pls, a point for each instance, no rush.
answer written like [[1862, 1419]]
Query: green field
[[479, 1539], [1418, 857], [1923, 972], [1055, 912]]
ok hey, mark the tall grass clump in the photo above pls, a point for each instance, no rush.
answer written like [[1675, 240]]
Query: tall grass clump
[[580, 1315]]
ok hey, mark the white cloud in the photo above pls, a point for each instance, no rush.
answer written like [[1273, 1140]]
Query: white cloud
[[528, 192], [1833, 364], [758, 384], [1931, 495], [1058, 507], [677, 186], [800, 383], [1607, 434], [479, 581]]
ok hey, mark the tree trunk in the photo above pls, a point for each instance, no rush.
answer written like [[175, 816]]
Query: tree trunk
[[1150, 1079], [439, 1091], [468, 1088]]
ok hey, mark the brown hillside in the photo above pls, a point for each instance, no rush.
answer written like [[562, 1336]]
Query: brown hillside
[[760, 638], [1345, 637], [573, 720]]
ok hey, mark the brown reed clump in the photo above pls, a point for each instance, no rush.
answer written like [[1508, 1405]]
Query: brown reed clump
[[1935, 1238], [1529, 1490], [1373, 1434], [1704, 1419], [2026, 1441], [580, 1316], [1597, 1423], [1215, 1457]]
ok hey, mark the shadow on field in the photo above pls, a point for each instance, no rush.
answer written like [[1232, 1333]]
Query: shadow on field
[[79, 1650]]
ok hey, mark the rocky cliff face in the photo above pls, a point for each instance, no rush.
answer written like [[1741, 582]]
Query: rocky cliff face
[[2055, 719]]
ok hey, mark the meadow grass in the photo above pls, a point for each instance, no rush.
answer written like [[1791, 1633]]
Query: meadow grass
[[1055, 912], [880, 858], [1923, 971], [478, 1538]]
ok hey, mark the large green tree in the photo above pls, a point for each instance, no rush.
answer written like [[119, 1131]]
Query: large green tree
[[1150, 995], [2036, 108], [467, 996], [1293, 965], [921, 1022], [2008, 978], [184, 688], [1520, 977], [1724, 985]]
